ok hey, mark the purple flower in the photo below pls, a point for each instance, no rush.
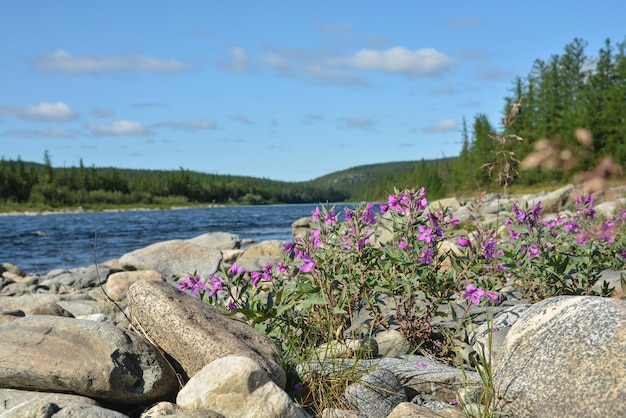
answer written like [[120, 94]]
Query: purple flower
[[315, 237], [393, 201], [490, 248], [267, 272], [473, 294], [463, 242], [316, 214], [533, 251], [425, 234], [235, 270], [216, 284], [281, 267], [231, 305], [492, 296], [454, 221], [195, 284], [427, 256], [368, 216], [606, 233], [519, 214], [585, 206], [298, 387], [289, 247], [536, 212], [582, 238], [571, 227], [309, 264], [256, 278], [421, 364], [331, 218], [514, 234], [623, 254], [384, 208], [403, 244]]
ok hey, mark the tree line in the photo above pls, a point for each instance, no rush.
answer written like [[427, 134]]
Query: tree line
[[44, 185], [559, 95], [565, 92]]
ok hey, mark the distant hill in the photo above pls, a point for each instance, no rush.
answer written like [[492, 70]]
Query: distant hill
[[356, 178]]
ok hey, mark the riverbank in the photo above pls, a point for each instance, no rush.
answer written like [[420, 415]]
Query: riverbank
[[67, 332]]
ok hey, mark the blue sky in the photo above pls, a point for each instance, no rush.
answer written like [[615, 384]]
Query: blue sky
[[287, 90]]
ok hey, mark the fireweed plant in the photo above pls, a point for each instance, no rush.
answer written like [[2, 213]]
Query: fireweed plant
[[342, 264]]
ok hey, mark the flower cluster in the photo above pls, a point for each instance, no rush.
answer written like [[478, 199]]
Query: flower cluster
[[474, 294]]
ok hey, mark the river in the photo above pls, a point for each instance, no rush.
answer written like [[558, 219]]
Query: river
[[43, 242]]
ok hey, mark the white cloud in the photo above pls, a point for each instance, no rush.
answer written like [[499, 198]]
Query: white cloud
[[311, 118], [242, 119], [239, 61], [466, 21], [315, 66], [274, 60], [119, 128], [62, 62], [425, 61], [327, 66], [44, 112], [192, 125], [445, 125], [360, 123], [46, 133], [101, 112]]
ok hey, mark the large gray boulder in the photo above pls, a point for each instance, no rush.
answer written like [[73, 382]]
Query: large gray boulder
[[257, 255], [26, 403], [36, 304], [195, 333], [217, 240], [565, 356], [118, 283], [237, 386], [175, 258], [94, 359]]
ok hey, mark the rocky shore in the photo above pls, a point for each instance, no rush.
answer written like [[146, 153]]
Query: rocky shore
[[149, 350]]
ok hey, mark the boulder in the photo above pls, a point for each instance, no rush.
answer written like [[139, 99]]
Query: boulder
[[565, 356], [37, 304], [392, 343], [376, 393], [195, 333], [236, 386], [25, 403], [411, 410], [118, 283], [553, 201], [94, 359], [171, 410], [301, 227], [175, 258], [257, 255], [417, 374], [217, 240], [80, 410], [498, 328]]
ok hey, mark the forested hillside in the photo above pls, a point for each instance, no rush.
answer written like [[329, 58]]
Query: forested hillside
[[562, 93]]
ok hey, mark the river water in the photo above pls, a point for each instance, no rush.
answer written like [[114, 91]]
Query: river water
[[43, 242]]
